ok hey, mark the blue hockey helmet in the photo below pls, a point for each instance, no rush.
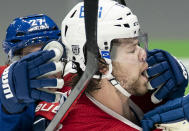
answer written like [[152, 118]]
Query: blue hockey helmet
[[30, 30]]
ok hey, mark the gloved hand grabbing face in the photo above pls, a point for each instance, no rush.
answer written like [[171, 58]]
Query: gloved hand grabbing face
[[21, 80], [166, 74]]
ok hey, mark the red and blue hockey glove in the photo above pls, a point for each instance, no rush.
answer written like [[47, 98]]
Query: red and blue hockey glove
[[166, 74]]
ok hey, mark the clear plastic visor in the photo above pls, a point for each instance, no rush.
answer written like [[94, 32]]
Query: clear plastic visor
[[129, 50]]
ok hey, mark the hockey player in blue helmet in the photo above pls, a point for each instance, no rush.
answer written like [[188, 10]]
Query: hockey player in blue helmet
[[29, 70], [27, 31]]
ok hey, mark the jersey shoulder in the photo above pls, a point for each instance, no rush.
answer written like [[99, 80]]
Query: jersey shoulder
[[87, 116], [2, 68]]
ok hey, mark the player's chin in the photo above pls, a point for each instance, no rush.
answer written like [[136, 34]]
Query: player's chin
[[142, 88], [142, 91]]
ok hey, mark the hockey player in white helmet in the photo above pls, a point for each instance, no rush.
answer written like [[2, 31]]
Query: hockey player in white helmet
[[106, 104]]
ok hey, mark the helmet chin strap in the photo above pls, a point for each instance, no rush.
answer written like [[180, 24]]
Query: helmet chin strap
[[117, 85], [113, 81]]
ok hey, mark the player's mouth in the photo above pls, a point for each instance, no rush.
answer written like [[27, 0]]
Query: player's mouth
[[144, 73]]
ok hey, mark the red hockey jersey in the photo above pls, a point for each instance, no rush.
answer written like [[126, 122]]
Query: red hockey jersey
[[85, 115]]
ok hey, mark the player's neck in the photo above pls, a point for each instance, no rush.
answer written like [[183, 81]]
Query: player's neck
[[112, 98]]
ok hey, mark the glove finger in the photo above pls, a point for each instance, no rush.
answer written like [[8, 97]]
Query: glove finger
[[186, 106], [47, 83], [147, 125], [179, 70], [31, 56], [164, 117], [170, 105], [43, 57], [162, 92], [161, 79], [156, 58], [46, 95], [157, 69], [172, 115], [152, 52], [46, 69], [42, 95], [59, 68]]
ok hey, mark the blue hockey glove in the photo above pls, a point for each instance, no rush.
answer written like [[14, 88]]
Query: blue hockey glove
[[172, 111], [166, 74], [22, 81]]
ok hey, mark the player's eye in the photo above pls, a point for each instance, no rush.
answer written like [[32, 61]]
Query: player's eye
[[132, 50]]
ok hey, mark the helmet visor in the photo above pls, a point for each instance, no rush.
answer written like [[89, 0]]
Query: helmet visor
[[143, 41], [128, 49]]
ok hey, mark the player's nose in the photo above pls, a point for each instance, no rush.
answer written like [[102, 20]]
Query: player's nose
[[142, 55]]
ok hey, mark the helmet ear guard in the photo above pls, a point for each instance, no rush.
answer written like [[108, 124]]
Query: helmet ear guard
[[29, 30]]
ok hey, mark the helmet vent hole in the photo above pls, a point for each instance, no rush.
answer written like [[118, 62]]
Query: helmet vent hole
[[128, 13], [73, 14], [59, 34], [135, 32], [106, 48], [66, 28], [126, 25], [74, 58], [20, 33], [120, 18], [106, 45], [15, 41], [118, 25], [136, 23], [55, 28]]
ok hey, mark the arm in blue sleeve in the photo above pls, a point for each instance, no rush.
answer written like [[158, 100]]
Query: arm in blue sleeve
[[21, 121]]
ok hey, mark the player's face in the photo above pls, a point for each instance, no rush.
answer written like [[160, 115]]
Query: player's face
[[29, 49], [129, 64]]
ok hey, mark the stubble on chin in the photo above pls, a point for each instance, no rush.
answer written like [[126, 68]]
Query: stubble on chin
[[134, 87]]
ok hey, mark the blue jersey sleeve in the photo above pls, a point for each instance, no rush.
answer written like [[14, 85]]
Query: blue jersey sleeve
[[17, 122]]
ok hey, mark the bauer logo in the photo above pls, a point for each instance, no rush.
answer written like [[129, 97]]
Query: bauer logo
[[81, 14], [75, 49], [105, 54], [5, 84]]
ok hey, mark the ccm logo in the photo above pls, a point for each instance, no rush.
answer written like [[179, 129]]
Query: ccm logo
[[6, 87]]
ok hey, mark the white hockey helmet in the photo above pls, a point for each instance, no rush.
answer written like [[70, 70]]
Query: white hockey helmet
[[114, 21]]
